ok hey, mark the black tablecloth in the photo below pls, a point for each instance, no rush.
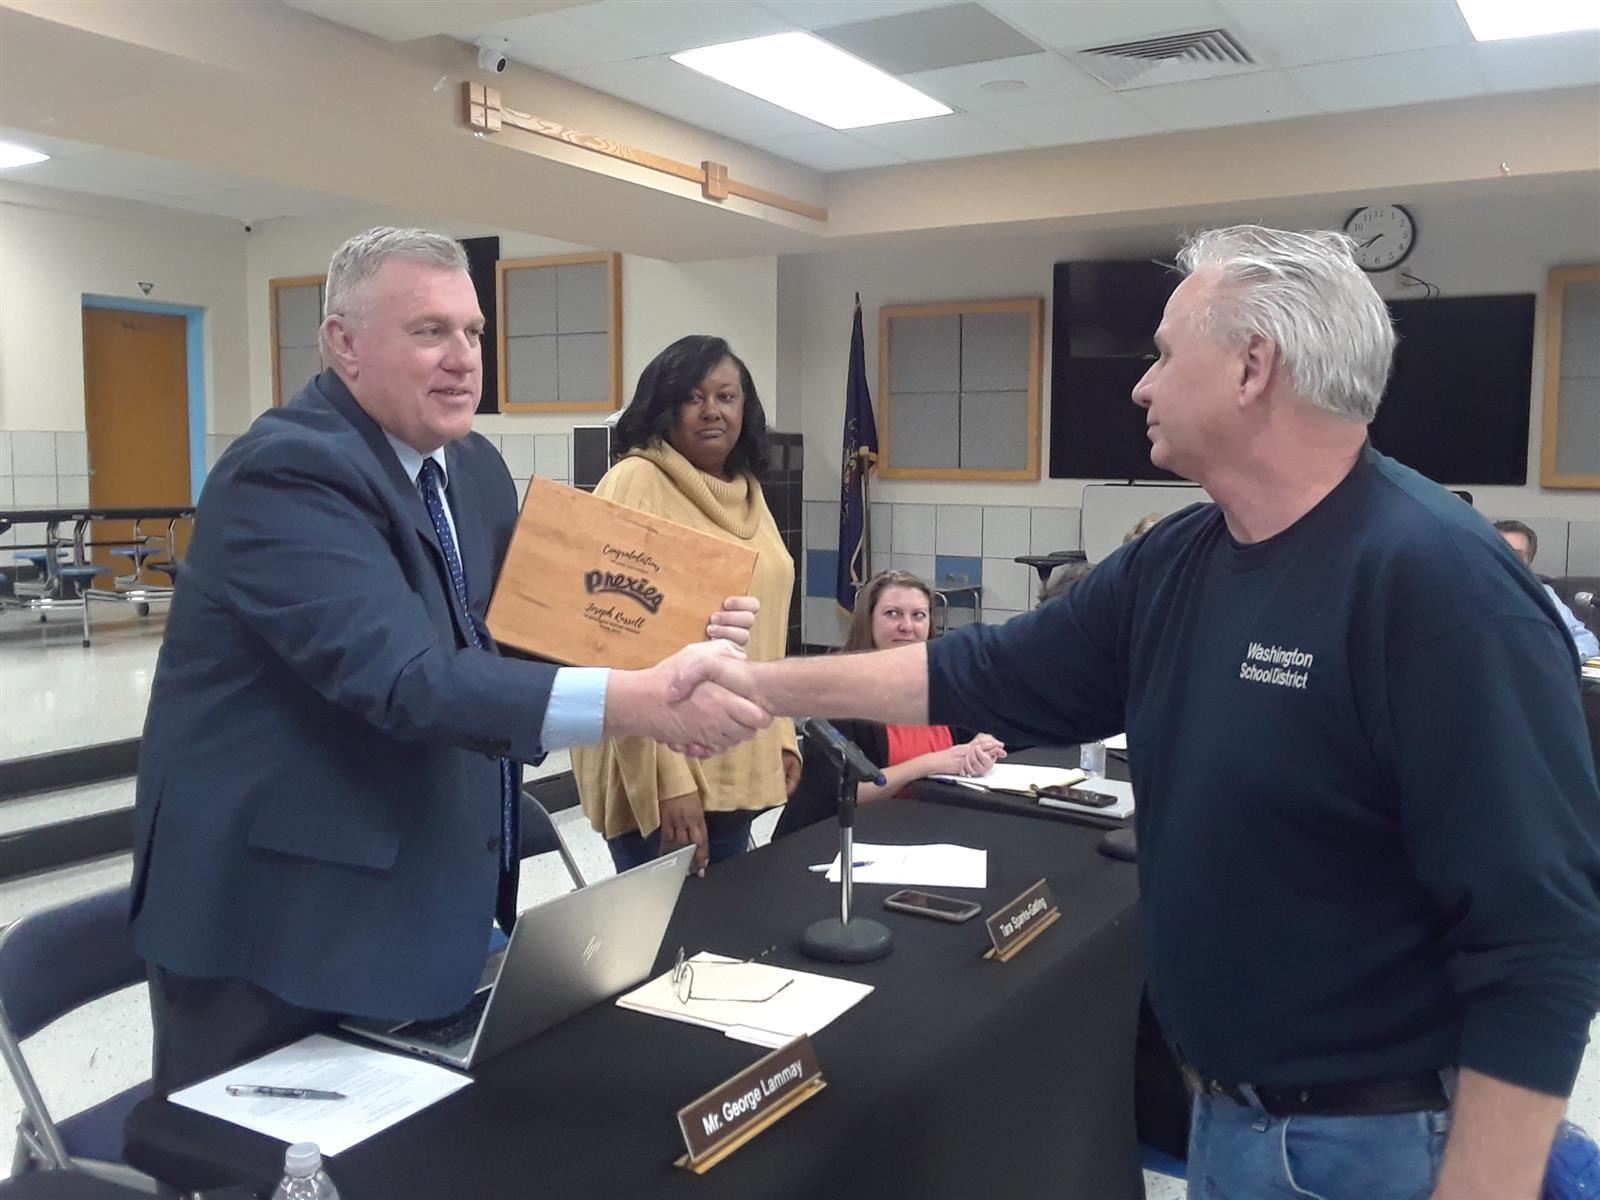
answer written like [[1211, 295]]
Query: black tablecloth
[[999, 802], [957, 1077]]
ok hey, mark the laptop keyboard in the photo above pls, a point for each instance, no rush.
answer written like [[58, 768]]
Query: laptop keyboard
[[447, 1031]]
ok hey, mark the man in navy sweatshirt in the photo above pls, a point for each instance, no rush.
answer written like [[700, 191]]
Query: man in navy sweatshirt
[[1368, 823]]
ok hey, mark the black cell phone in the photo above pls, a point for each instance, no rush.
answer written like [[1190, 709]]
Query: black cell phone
[[927, 904], [1090, 799]]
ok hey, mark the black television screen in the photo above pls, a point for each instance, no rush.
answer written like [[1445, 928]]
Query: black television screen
[[1110, 309], [1096, 430], [1456, 408]]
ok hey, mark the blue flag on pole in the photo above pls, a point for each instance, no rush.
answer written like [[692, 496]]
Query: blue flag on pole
[[860, 456]]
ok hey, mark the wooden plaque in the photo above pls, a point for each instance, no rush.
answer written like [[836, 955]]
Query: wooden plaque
[[591, 583]]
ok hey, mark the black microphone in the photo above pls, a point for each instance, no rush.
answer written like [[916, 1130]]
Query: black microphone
[[846, 755]]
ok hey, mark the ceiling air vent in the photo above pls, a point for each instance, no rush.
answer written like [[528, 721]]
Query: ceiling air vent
[[1175, 58]]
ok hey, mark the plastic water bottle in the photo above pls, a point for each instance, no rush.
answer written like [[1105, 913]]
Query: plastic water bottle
[[1092, 759], [303, 1176]]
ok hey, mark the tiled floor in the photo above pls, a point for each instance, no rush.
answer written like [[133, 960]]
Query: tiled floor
[[56, 694]]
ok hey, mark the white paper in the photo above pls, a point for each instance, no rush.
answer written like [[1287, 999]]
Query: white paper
[[381, 1090], [938, 865], [1119, 742], [1120, 788], [1018, 778], [752, 1002]]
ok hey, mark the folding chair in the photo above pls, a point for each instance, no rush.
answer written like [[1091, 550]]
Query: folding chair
[[540, 836], [53, 962]]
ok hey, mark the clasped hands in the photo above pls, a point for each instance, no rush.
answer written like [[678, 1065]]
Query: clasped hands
[[699, 701]]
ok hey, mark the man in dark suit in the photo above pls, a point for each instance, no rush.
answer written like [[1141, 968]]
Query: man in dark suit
[[325, 818]]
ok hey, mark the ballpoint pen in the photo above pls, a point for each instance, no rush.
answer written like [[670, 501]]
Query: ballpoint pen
[[282, 1093], [855, 864]]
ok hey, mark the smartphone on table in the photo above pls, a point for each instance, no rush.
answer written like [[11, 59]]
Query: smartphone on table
[[928, 904]]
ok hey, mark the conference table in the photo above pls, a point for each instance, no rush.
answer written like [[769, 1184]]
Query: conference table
[[957, 1077]]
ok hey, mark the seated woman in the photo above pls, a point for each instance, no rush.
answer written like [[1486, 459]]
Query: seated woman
[[892, 609], [693, 442]]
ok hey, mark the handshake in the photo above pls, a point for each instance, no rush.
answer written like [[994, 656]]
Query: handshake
[[701, 700]]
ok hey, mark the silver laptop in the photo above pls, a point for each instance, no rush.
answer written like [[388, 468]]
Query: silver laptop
[[564, 956]]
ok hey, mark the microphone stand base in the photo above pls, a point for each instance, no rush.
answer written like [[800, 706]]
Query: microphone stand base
[[832, 940]]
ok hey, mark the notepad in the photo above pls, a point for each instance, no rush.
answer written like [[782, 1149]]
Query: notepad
[[937, 865], [758, 1003], [1017, 778], [381, 1089]]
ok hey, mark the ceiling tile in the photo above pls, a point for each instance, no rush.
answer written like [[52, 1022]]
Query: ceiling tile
[[664, 86], [1528, 64], [953, 136], [1071, 121], [1412, 77], [1208, 103], [831, 151], [930, 39], [1048, 77], [1076, 24], [1292, 34], [816, 14], [557, 42], [667, 26]]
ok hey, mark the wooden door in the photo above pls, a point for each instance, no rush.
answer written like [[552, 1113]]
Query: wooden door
[[136, 409]]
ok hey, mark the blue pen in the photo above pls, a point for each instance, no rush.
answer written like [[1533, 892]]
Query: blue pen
[[828, 866]]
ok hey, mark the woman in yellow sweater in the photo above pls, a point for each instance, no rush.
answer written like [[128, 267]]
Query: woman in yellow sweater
[[694, 440]]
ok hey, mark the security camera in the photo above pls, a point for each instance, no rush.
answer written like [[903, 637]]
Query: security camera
[[492, 53]]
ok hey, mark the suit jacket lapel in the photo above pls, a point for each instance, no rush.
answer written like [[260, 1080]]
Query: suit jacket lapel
[[407, 499]]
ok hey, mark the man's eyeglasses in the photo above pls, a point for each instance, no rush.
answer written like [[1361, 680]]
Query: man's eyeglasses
[[684, 981]]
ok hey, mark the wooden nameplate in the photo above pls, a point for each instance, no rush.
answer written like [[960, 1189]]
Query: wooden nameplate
[[588, 582], [1015, 925], [729, 1115]]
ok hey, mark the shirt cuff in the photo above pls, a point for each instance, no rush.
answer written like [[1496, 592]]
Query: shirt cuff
[[576, 713]]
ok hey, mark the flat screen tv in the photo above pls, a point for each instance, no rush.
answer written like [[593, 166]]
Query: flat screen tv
[[1457, 404], [1456, 408]]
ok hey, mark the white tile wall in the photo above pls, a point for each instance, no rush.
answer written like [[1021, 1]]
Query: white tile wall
[[72, 456], [822, 526], [5, 456], [960, 529], [921, 565], [1007, 532], [822, 622], [1056, 529], [1007, 586], [33, 453], [72, 489], [882, 517], [913, 528], [518, 451], [552, 457], [35, 491]]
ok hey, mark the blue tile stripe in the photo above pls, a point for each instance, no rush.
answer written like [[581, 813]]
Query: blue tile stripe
[[822, 569]]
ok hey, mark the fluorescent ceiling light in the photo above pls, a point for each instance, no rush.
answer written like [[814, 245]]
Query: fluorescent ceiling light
[[13, 155], [814, 78], [1495, 20]]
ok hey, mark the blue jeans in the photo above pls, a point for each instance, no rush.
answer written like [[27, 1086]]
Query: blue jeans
[[1238, 1152], [727, 834]]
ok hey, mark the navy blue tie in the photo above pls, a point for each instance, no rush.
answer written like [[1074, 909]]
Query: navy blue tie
[[505, 907]]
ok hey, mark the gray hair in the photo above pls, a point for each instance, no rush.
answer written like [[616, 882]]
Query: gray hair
[[1304, 293], [358, 260]]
